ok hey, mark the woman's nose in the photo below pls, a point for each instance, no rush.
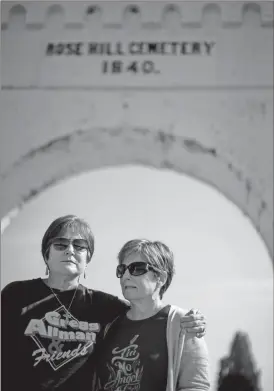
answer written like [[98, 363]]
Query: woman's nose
[[70, 249], [126, 274]]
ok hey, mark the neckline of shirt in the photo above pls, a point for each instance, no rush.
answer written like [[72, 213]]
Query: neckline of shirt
[[80, 287], [162, 311]]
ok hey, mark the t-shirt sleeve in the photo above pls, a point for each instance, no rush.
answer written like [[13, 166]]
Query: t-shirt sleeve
[[10, 296], [194, 368], [10, 299]]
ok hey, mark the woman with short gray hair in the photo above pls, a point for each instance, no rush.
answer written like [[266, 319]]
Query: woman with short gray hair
[[146, 349]]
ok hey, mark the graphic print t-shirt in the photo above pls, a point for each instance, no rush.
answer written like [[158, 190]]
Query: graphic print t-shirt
[[42, 348], [134, 355]]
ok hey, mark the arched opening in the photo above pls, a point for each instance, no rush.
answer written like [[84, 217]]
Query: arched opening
[[91, 149]]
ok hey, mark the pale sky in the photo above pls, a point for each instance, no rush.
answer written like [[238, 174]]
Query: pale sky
[[222, 265]]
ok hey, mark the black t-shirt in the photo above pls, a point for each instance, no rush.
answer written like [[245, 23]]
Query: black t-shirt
[[133, 355], [40, 349]]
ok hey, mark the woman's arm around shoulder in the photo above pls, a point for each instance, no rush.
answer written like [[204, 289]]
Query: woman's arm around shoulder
[[112, 305]]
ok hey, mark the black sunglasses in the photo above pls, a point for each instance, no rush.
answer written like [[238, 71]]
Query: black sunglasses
[[61, 244], [134, 268]]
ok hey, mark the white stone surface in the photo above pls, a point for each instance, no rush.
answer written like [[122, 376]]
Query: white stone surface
[[208, 116]]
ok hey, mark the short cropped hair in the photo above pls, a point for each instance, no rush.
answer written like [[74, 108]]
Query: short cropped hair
[[59, 227], [156, 254]]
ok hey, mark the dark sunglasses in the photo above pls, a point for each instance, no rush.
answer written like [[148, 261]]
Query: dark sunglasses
[[61, 244], [135, 269]]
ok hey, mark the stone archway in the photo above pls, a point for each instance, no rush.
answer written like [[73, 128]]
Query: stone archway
[[206, 111]]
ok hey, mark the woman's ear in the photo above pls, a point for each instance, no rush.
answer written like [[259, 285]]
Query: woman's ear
[[47, 254], [88, 256], [162, 277]]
